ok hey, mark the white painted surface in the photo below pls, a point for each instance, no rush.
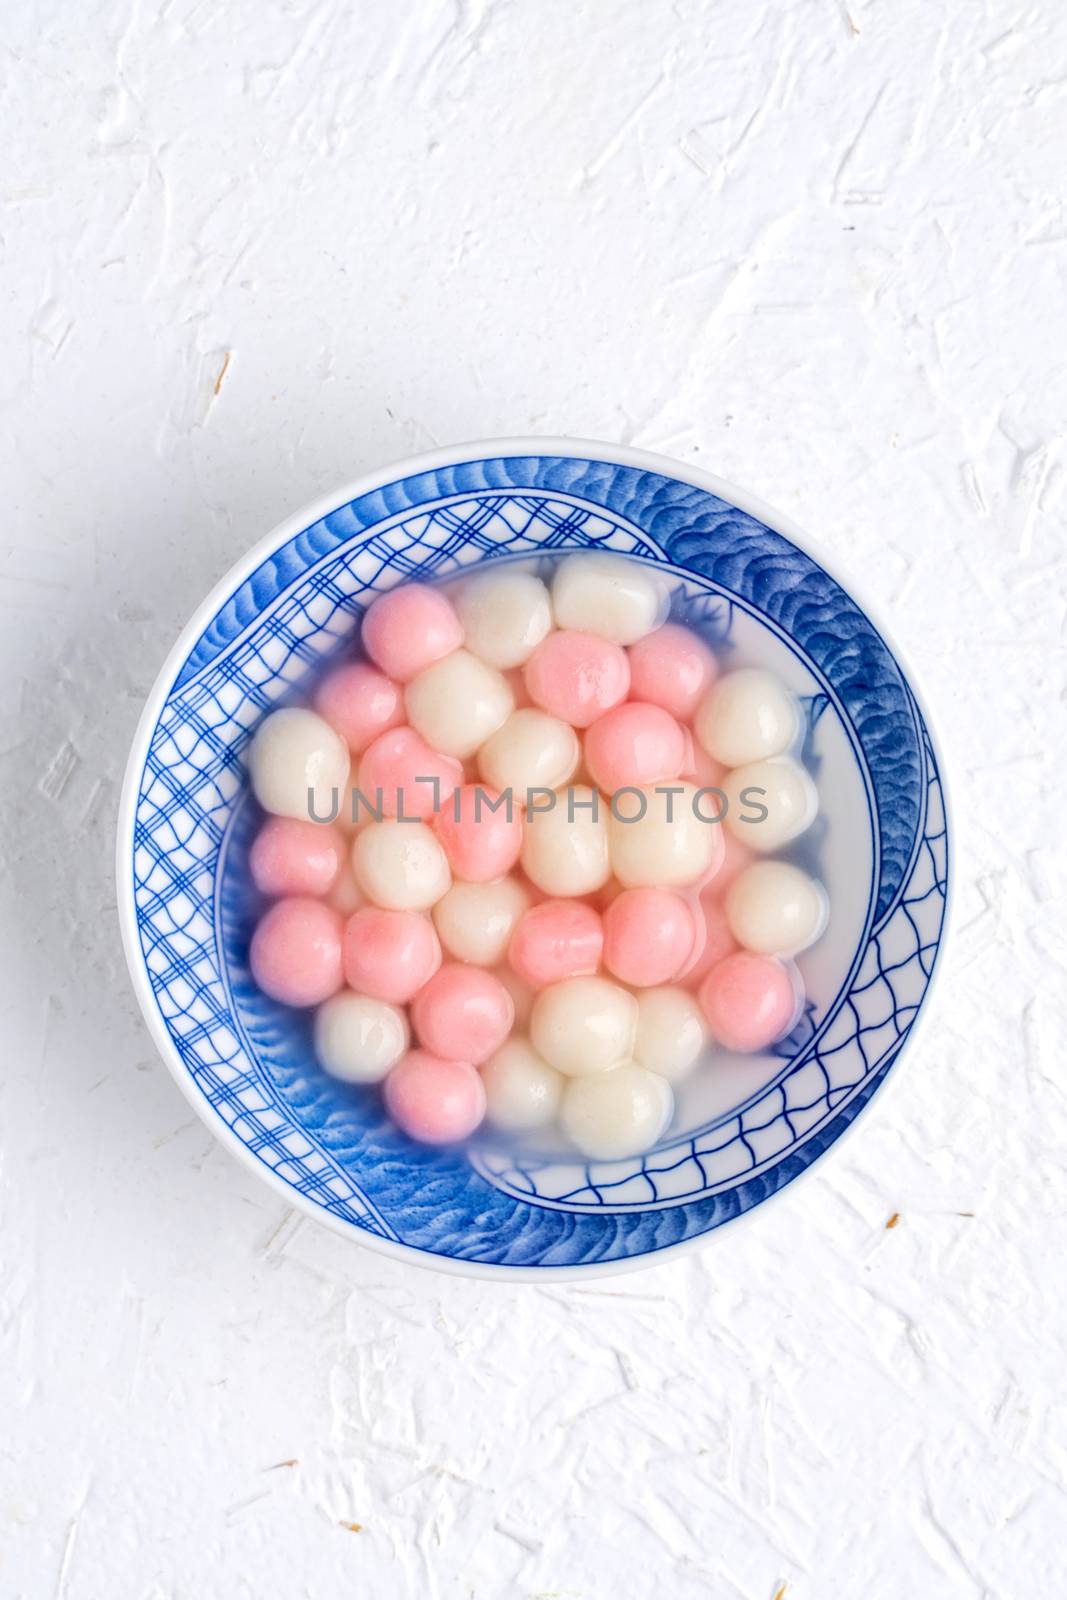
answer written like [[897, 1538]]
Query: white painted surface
[[252, 250]]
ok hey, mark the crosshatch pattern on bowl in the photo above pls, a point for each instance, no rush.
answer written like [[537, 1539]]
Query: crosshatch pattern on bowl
[[254, 1069]]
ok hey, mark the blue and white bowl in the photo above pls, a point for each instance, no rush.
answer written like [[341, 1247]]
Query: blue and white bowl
[[743, 1131]]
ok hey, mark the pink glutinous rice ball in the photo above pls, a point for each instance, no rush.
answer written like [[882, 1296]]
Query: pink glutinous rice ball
[[290, 857], [735, 858], [408, 629], [435, 1100], [346, 895], [689, 756], [480, 832], [389, 955], [522, 995], [713, 941], [750, 1001], [635, 744], [394, 763], [359, 703], [555, 940], [295, 953], [672, 668], [703, 769], [577, 676], [464, 1013], [516, 679], [648, 936]]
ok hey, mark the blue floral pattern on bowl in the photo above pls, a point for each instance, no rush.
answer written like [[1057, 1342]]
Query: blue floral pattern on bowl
[[248, 1064]]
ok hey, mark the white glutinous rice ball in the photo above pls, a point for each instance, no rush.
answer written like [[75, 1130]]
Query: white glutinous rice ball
[[531, 751], [359, 1039], [746, 716], [475, 921], [458, 703], [522, 1091], [505, 615], [774, 909], [400, 865], [608, 595], [619, 1114], [565, 848], [584, 1025], [663, 843], [294, 751], [769, 803], [671, 1032]]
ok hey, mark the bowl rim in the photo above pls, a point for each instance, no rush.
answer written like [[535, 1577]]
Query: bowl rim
[[450, 455]]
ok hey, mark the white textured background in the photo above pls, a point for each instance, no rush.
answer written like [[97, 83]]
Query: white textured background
[[252, 249]]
